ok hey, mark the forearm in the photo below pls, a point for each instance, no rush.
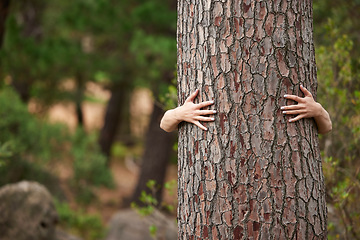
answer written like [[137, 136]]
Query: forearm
[[170, 120], [323, 121]]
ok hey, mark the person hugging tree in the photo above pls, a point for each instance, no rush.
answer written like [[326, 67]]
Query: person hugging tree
[[194, 113]]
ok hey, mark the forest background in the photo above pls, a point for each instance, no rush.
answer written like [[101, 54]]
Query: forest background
[[84, 83]]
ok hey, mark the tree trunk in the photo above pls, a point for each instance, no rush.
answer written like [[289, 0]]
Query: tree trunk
[[252, 175], [79, 98], [112, 119], [31, 16], [4, 9], [124, 134], [156, 157]]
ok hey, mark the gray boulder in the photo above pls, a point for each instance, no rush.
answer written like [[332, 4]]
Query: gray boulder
[[129, 225], [61, 235], [27, 212]]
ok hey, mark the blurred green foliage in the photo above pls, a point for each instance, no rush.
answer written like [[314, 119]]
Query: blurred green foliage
[[87, 226], [27, 143], [154, 45], [30, 146], [65, 40], [338, 60], [151, 204], [149, 201], [168, 99], [5, 152], [48, 43], [23, 135], [89, 165]]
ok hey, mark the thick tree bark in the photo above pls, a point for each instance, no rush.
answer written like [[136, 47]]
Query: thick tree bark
[[252, 175], [156, 157]]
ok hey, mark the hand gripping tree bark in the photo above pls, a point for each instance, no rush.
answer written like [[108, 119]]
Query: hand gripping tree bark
[[252, 175]]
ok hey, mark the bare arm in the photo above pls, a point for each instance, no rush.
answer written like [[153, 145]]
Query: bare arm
[[189, 112], [307, 107]]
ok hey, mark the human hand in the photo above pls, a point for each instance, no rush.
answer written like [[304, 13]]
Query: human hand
[[307, 107], [192, 113]]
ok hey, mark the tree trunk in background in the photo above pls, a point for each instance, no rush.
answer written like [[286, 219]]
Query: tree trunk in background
[[124, 134], [31, 15], [79, 98], [252, 175], [156, 157], [112, 119], [4, 9]]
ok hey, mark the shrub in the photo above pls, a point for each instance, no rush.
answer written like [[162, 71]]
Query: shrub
[[87, 226]]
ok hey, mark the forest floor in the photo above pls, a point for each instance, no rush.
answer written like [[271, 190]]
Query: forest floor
[[108, 201]]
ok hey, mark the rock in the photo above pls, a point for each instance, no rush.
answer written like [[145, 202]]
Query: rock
[[28, 213], [61, 235], [128, 224]]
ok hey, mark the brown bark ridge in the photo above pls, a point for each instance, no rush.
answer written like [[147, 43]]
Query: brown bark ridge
[[252, 175]]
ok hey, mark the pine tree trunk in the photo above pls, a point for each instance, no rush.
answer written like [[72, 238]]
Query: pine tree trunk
[[252, 175], [156, 157]]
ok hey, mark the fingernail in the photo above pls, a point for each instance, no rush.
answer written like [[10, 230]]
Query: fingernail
[[290, 120], [212, 101], [284, 112], [212, 119], [205, 129], [282, 108], [285, 96], [214, 111], [301, 85]]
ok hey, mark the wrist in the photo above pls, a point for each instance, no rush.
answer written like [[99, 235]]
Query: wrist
[[177, 114], [319, 110]]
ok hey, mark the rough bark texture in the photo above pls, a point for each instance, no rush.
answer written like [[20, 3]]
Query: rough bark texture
[[252, 175], [156, 157]]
